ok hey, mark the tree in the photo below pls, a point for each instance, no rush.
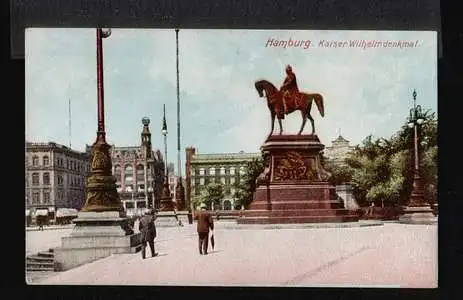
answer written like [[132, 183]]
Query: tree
[[245, 188], [377, 174], [340, 173], [212, 193], [382, 169]]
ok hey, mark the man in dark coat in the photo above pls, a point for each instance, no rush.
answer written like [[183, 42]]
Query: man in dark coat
[[148, 233], [204, 223]]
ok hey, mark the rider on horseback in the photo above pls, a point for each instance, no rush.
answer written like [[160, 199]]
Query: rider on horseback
[[289, 89]]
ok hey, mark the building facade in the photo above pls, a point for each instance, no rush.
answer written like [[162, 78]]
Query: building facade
[[224, 168], [139, 172], [338, 151], [55, 177]]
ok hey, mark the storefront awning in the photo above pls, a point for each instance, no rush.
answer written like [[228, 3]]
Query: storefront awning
[[66, 212], [41, 212]]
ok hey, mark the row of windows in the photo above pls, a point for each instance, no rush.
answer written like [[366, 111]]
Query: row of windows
[[45, 197], [214, 171], [128, 169], [45, 160], [129, 187], [227, 191], [223, 180], [129, 177], [70, 164], [73, 180]]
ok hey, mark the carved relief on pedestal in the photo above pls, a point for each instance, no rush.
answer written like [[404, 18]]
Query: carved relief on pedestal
[[292, 166]]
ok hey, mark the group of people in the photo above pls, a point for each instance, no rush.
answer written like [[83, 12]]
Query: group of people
[[147, 227]]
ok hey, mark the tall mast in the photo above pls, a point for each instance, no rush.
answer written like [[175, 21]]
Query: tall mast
[[179, 162], [69, 123]]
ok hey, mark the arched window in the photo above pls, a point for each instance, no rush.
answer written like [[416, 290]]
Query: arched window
[[212, 171], [232, 170], [128, 174], [46, 161], [35, 160], [222, 171], [140, 173]]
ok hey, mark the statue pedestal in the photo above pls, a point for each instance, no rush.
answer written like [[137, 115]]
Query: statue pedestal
[[96, 235], [171, 219], [421, 215], [345, 192], [295, 188]]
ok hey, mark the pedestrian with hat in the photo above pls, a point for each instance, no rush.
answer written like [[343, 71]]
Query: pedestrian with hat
[[148, 232], [204, 224]]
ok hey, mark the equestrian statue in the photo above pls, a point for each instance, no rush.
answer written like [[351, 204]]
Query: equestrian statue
[[288, 99]]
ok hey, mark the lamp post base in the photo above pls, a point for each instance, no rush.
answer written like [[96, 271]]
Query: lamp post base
[[101, 193], [420, 215]]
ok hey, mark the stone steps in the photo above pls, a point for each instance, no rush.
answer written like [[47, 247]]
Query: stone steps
[[297, 213], [297, 205], [41, 262], [297, 219]]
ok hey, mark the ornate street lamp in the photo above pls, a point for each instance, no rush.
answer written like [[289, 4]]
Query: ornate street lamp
[[417, 211], [166, 199], [417, 198], [101, 185]]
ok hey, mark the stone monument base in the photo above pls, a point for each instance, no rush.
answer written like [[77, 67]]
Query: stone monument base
[[294, 186], [311, 203], [422, 215], [95, 235], [171, 219], [345, 192]]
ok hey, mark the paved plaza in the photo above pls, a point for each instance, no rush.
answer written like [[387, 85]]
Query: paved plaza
[[391, 255]]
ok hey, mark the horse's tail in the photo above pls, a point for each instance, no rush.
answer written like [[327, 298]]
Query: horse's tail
[[319, 102]]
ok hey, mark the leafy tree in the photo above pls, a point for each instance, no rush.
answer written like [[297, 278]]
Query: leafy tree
[[340, 173], [382, 169], [244, 190], [429, 173], [212, 193]]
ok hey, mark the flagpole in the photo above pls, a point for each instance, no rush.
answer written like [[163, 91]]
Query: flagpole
[[69, 111], [179, 190], [178, 110]]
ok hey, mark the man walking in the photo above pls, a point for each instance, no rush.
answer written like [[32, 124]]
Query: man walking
[[204, 223], [148, 232]]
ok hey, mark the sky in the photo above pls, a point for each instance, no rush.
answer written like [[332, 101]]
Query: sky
[[366, 90]]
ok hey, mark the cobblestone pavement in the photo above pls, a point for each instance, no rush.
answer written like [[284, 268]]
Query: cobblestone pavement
[[392, 255]]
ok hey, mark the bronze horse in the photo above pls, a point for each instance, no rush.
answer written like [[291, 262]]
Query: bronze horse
[[275, 100]]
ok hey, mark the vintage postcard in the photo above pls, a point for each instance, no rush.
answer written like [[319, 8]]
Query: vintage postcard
[[241, 157]]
